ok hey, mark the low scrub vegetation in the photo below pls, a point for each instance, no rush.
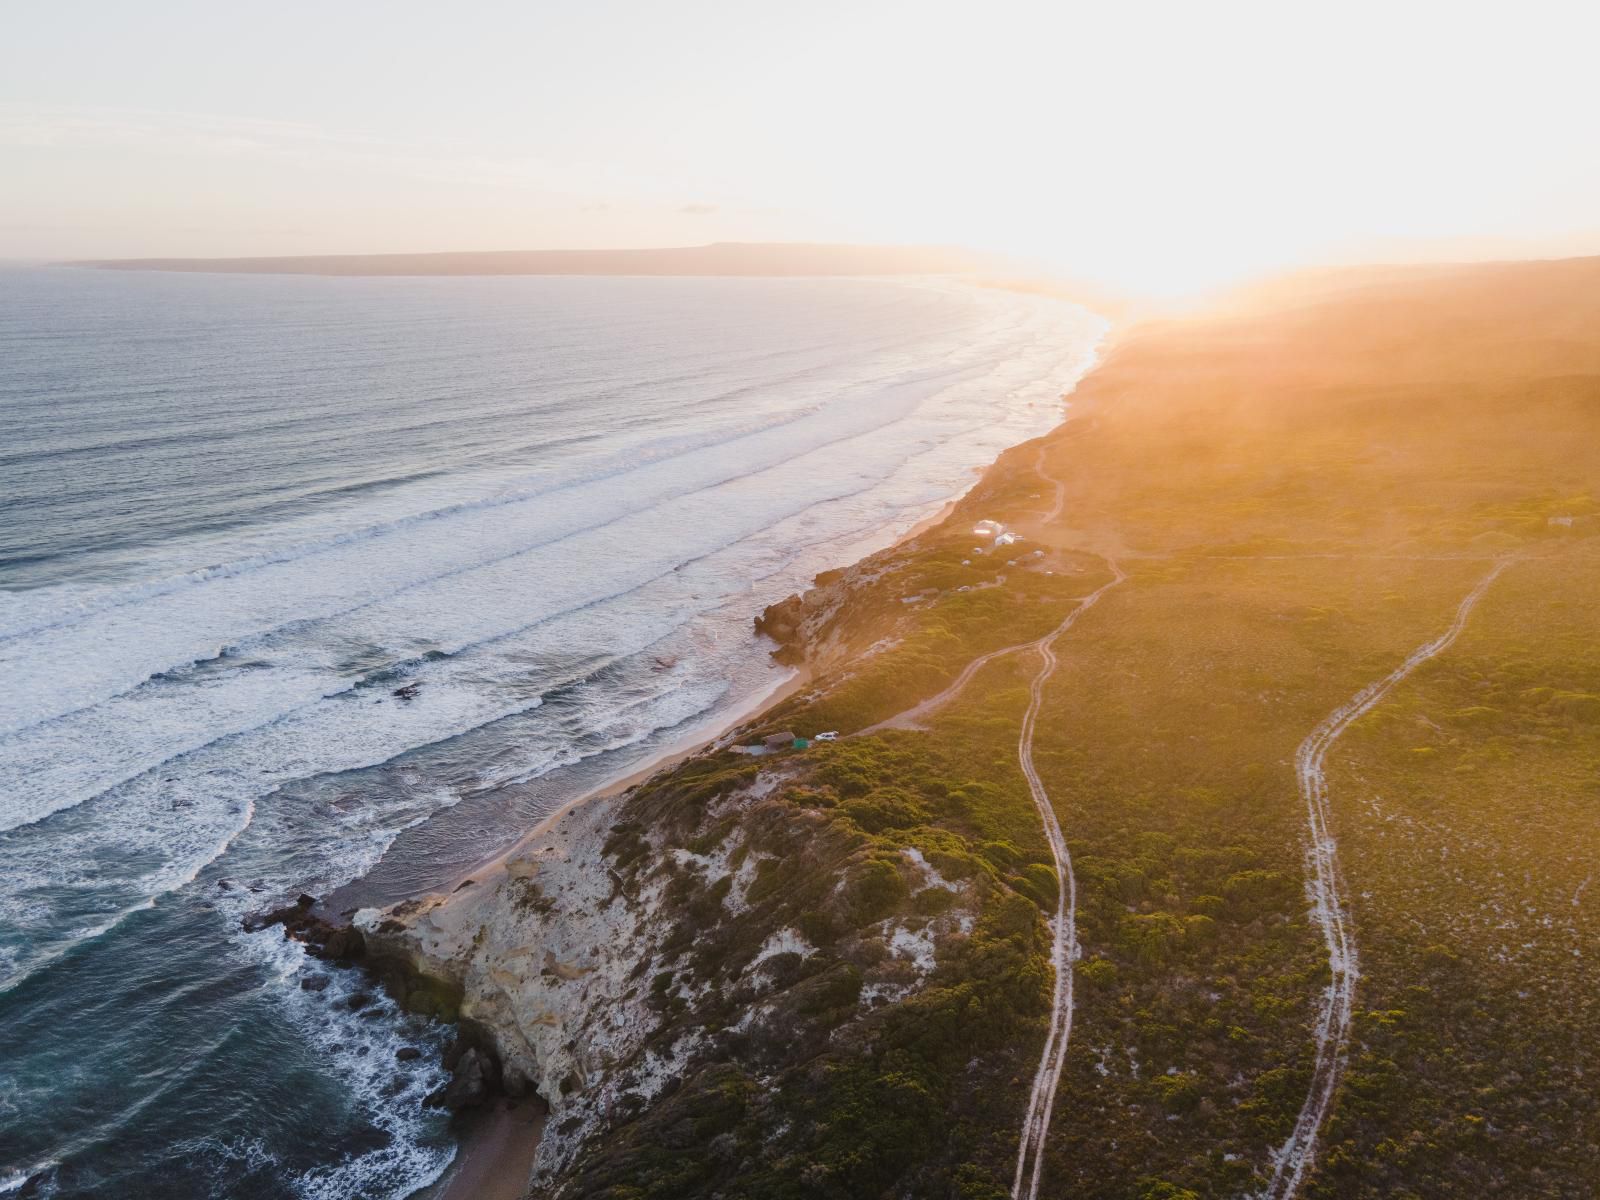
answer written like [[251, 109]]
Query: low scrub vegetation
[[1300, 500]]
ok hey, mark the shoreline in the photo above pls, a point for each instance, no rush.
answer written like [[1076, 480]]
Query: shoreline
[[492, 1161], [494, 1155], [491, 867]]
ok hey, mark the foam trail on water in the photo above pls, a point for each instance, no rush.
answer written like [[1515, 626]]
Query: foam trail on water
[[479, 545]]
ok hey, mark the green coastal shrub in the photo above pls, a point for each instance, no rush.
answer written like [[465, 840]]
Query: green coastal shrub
[[874, 890]]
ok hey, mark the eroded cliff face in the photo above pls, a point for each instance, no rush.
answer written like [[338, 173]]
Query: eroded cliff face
[[547, 954], [823, 625], [644, 936]]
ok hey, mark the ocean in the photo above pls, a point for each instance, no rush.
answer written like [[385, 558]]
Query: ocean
[[310, 583]]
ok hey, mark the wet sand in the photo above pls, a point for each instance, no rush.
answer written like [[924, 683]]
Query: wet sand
[[492, 867], [496, 1155], [488, 871]]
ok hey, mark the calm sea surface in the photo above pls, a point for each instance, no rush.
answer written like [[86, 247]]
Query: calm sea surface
[[306, 581]]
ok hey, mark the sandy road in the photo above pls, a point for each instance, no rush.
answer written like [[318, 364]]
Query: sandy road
[[913, 718], [1330, 905], [1063, 926]]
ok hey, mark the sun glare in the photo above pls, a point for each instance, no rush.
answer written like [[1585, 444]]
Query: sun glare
[[1156, 147]]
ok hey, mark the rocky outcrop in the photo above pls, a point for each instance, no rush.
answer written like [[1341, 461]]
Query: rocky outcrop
[[551, 959], [472, 1060], [345, 944], [473, 1080], [325, 938], [643, 936], [821, 626]]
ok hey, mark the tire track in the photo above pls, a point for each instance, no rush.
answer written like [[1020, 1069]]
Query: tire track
[[912, 718], [1063, 926], [1330, 905]]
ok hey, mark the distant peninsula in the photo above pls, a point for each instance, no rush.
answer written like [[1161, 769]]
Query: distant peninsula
[[718, 258]]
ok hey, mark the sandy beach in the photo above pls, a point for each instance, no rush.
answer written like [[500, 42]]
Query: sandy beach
[[486, 872], [497, 1148], [495, 1156]]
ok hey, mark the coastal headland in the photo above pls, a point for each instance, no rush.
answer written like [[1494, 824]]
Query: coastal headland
[[1323, 763]]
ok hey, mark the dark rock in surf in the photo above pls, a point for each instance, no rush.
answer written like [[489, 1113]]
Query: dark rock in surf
[[475, 1079], [345, 941], [323, 938], [453, 1050], [38, 1185], [289, 916]]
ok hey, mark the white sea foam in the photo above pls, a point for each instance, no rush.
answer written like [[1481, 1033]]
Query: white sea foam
[[175, 752], [275, 695], [360, 1046]]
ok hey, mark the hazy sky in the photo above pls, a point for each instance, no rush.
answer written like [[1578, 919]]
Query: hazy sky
[[1157, 145]]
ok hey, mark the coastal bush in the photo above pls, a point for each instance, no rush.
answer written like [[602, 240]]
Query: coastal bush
[[886, 808], [1300, 502], [872, 891]]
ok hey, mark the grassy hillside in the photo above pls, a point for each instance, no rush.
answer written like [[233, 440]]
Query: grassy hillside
[[1301, 494]]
